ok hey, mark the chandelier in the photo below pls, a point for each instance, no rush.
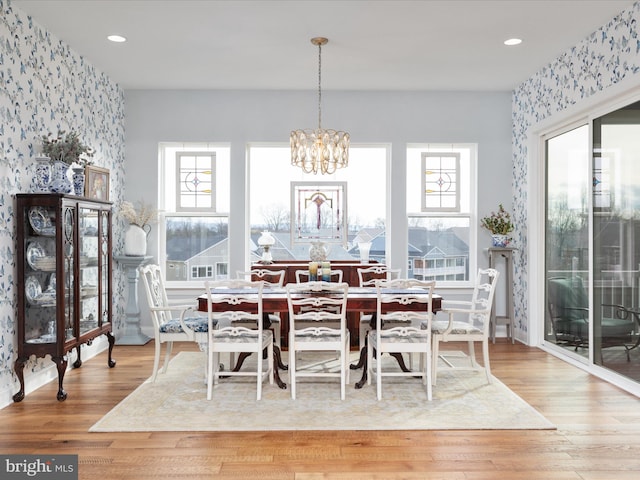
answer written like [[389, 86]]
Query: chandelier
[[321, 150]]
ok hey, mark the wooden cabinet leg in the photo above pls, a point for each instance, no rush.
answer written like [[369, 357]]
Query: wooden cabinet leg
[[112, 340], [19, 369], [78, 362], [61, 364]]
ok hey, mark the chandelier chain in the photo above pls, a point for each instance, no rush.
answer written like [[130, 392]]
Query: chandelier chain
[[319, 86]]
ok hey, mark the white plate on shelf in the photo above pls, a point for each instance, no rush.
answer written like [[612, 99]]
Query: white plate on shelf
[[40, 221], [35, 251], [32, 289], [52, 282], [46, 264], [36, 340], [89, 290]]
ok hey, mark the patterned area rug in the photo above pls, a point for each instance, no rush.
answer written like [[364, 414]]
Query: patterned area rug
[[177, 401]]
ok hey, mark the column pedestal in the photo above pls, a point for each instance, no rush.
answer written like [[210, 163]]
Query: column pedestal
[[132, 333], [509, 319]]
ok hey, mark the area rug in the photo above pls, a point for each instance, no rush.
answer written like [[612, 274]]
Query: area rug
[[462, 400]]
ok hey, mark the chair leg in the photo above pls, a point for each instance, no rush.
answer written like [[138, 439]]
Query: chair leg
[[347, 350], [472, 354], [259, 376], [427, 371], [156, 358], [435, 347], [210, 373], [270, 364], [343, 376], [369, 366], [379, 373], [167, 357], [292, 367], [485, 354]]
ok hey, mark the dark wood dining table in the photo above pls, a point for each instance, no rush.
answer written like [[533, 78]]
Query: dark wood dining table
[[359, 299]]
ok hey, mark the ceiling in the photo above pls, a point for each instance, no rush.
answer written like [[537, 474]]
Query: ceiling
[[373, 44]]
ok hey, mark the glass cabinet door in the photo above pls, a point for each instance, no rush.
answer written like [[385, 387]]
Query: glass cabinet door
[[41, 290], [66, 289], [89, 268]]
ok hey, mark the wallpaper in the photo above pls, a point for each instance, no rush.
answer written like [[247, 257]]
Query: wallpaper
[[603, 59], [46, 87]]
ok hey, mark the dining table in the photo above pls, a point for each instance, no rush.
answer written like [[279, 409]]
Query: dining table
[[359, 299]]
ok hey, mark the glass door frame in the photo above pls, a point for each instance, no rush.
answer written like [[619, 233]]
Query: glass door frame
[[596, 106]]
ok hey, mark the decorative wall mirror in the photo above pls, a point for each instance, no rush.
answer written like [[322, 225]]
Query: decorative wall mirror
[[319, 212]]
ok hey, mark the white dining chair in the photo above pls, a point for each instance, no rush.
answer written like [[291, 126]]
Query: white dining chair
[[468, 321], [318, 323], [367, 277], [171, 322], [270, 279], [238, 302], [405, 305]]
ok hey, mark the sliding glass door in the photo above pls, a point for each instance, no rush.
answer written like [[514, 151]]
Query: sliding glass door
[[593, 202], [616, 254], [567, 240]]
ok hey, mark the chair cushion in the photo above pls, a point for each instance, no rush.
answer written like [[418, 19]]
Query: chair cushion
[[226, 337], [324, 337], [459, 328], [617, 327], [197, 324]]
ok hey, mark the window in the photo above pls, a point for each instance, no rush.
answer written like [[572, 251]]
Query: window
[[202, 271], [441, 212], [272, 186], [194, 201]]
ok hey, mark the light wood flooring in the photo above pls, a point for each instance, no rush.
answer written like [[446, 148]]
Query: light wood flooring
[[598, 435]]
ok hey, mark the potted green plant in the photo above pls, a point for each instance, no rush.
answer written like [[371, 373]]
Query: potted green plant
[[500, 225], [64, 150]]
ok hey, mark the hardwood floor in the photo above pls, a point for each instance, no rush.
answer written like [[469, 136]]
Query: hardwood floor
[[598, 435]]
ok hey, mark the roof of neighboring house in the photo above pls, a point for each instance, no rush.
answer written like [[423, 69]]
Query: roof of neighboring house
[[439, 244], [183, 248]]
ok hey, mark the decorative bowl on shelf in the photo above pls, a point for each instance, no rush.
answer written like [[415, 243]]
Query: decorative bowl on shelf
[[40, 221]]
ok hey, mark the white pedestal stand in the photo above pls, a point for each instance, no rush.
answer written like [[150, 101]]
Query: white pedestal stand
[[132, 333]]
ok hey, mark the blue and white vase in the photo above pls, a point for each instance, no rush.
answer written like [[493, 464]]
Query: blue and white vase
[[500, 241], [43, 174], [60, 182], [78, 181]]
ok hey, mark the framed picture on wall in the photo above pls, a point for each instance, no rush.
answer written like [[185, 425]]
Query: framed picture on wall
[[96, 184]]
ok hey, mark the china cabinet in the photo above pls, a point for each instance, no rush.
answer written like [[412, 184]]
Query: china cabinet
[[64, 258]]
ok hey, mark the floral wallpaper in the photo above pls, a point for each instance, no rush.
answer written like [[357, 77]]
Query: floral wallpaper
[[603, 59], [46, 87]]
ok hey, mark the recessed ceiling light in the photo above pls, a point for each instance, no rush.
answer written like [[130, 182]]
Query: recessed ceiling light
[[513, 41], [116, 38]]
